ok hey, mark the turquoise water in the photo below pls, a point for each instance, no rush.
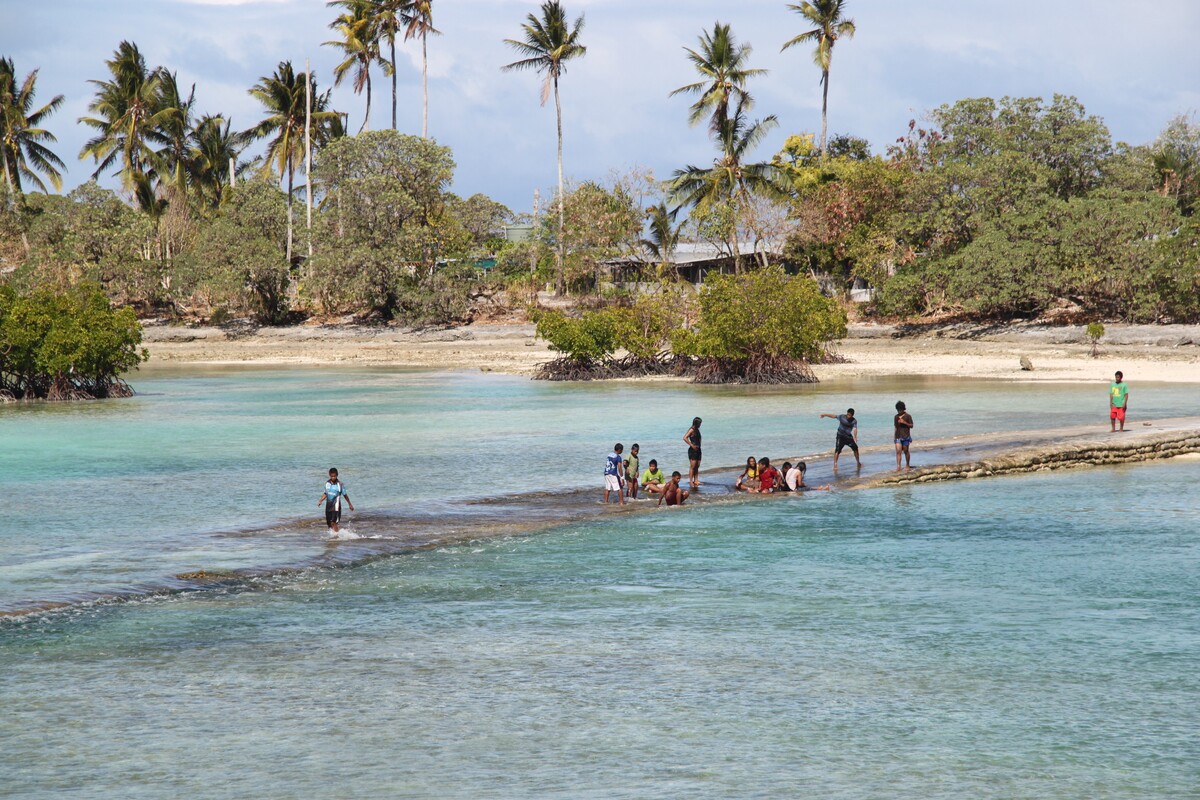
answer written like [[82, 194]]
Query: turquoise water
[[1032, 637]]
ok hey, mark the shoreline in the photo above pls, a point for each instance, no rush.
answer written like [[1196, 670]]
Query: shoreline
[[1145, 353]]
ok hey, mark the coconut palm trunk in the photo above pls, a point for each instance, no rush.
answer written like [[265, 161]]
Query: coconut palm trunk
[[291, 171], [561, 287], [824, 107], [366, 126], [392, 42], [424, 85]]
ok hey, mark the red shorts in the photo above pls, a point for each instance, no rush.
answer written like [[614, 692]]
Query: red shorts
[[1116, 413]]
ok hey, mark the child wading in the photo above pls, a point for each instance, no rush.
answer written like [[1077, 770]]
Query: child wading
[[904, 426], [335, 493], [631, 471], [847, 435]]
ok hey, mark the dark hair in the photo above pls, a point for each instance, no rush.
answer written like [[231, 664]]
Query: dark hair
[[618, 447], [850, 411], [333, 471], [676, 474], [900, 405], [696, 421], [1120, 374], [635, 444], [764, 462], [800, 465], [787, 465], [653, 463]]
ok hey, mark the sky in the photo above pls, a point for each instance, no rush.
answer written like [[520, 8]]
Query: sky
[[907, 58]]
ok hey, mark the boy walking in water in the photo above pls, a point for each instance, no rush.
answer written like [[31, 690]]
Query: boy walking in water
[[1118, 401], [847, 435], [692, 440], [335, 493], [904, 426], [613, 468]]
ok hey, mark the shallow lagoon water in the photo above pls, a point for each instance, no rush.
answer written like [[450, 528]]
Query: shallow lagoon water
[[1017, 637]]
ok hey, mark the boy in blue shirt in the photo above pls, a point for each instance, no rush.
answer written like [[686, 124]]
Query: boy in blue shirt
[[335, 492], [613, 470]]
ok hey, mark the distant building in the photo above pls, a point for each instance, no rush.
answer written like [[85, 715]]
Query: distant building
[[692, 260], [518, 233]]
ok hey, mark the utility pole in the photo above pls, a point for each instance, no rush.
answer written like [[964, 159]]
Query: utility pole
[[308, 147]]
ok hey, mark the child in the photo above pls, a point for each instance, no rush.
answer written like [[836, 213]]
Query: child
[[631, 472], [795, 476], [692, 439], [904, 426], [750, 473], [652, 478], [767, 475], [847, 435], [672, 493], [612, 474], [781, 484], [1118, 401], [335, 492]]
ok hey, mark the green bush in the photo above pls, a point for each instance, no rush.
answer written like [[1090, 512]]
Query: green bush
[[65, 345]]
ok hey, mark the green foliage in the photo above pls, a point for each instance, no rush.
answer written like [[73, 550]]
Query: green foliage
[[587, 340], [1095, 330], [63, 345], [644, 329], [239, 261], [765, 314]]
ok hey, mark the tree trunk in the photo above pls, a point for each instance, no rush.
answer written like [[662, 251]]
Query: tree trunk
[[290, 172], [367, 117], [392, 41], [424, 85], [561, 287], [12, 200], [824, 108]]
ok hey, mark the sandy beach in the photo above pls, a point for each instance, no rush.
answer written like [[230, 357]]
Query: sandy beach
[[1058, 353]]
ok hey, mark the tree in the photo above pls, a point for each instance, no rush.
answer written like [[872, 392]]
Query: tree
[[1175, 155], [730, 179], [21, 136], [129, 115], [175, 126], [282, 95], [722, 64], [762, 327], [662, 234], [548, 44], [418, 18], [213, 147], [360, 46], [386, 21], [826, 16]]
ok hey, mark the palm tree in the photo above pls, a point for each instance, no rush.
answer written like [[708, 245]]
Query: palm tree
[[128, 116], [730, 179], [212, 146], [721, 62], [175, 127], [662, 234], [21, 134], [826, 15], [387, 18], [360, 45], [418, 17], [548, 44], [283, 100]]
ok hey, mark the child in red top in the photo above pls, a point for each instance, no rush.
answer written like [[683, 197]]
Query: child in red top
[[768, 476]]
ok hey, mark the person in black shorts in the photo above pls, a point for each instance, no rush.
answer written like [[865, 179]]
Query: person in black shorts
[[692, 440], [847, 435], [335, 493]]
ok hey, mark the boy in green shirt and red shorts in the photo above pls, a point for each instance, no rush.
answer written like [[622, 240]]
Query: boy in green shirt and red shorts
[[1118, 401]]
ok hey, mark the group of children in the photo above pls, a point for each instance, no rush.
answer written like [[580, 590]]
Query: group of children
[[621, 478]]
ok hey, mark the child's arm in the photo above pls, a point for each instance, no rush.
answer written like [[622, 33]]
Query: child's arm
[[324, 495], [346, 497]]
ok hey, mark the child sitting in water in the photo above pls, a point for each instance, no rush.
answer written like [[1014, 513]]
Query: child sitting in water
[[672, 493], [781, 484], [750, 473], [652, 478], [794, 477], [767, 476]]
